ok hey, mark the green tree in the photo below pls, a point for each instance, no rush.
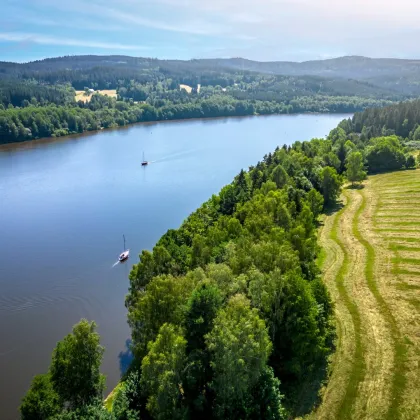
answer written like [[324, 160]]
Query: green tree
[[162, 301], [337, 135], [240, 346], [201, 309], [330, 185], [128, 400], [75, 366], [162, 373], [410, 162], [279, 176], [315, 201], [266, 400], [331, 159], [41, 401], [95, 410], [355, 168], [385, 154], [416, 135]]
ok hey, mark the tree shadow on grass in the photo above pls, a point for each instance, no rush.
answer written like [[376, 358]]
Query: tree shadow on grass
[[308, 397], [355, 187], [333, 208]]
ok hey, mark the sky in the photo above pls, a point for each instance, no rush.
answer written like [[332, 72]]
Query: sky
[[265, 30]]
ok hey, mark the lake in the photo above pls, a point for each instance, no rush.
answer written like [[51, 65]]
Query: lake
[[65, 205]]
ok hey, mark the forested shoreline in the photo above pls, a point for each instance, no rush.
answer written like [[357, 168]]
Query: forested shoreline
[[229, 315], [35, 121], [38, 100]]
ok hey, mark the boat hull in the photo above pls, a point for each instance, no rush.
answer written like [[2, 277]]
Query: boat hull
[[124, 256]]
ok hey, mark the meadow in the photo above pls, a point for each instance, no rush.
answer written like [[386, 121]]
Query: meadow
[[372, 268]]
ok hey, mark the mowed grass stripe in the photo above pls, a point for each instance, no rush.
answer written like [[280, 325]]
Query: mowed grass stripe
[[396, 230], [358, 372], [401, 260], [401, 193], [411, 240], [415, 223], [387, 186], [400, 351], [405, 272], [414, 302], [397, 216], [404, 286], [401, 207], [399, 247]]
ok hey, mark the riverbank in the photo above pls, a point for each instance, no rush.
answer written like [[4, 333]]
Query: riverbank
[[73, 199], [45, 140]]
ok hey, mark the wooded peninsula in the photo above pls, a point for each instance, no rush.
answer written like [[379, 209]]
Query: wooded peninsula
[[240, 313]]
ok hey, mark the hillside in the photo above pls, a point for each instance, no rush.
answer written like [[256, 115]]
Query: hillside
[[145, 89], [402, 76], [351, 66]]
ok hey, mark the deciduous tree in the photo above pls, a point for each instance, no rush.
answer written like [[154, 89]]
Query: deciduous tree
[[75, 366], [355, 168]]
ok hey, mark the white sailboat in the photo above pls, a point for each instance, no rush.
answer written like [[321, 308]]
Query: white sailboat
[[124, 255], [144, 162]]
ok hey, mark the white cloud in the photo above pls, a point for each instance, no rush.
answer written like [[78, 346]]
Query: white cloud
[[49, 40], [263, 29]]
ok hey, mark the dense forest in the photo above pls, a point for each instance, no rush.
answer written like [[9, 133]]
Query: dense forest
[[229, 316], [36, 121], [399, 75], [401, 119], [38, 99]]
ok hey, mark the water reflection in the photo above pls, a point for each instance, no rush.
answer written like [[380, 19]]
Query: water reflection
[[125, 357]]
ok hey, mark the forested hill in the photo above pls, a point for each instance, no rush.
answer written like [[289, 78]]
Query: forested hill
[[351, 66], [401, 119], [402, 76], [40, 99]]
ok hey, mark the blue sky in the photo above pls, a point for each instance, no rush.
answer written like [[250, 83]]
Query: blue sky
[[265, 30]]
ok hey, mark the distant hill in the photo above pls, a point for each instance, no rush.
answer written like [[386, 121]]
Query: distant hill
[[390, 75], [351, 66]]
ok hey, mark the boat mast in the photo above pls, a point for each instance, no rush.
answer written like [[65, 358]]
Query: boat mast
[[124, 241], [143, 157]]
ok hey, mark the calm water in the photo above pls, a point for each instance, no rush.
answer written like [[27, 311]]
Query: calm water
[[65, 205]]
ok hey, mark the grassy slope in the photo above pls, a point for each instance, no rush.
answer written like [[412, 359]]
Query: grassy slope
[[372, 270]]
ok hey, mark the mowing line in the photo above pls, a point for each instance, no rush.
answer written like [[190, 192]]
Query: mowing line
[[412, 261], [405, 272], [402, 285], [398, 379], [359, 365], [399, 247], [396, 230], [391, 222]]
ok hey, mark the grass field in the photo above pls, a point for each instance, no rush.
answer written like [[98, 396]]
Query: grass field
[[80, 94], [371, 266]]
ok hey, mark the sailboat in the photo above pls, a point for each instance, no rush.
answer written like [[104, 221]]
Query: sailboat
[[124, 255], [144, 162]]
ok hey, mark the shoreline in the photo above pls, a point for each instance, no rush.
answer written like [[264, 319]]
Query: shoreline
[[28, 143]]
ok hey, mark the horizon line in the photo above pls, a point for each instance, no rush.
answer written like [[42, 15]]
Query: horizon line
[[211, 58]]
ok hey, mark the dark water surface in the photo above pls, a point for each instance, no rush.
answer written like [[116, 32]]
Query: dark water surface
[[64, 206]]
